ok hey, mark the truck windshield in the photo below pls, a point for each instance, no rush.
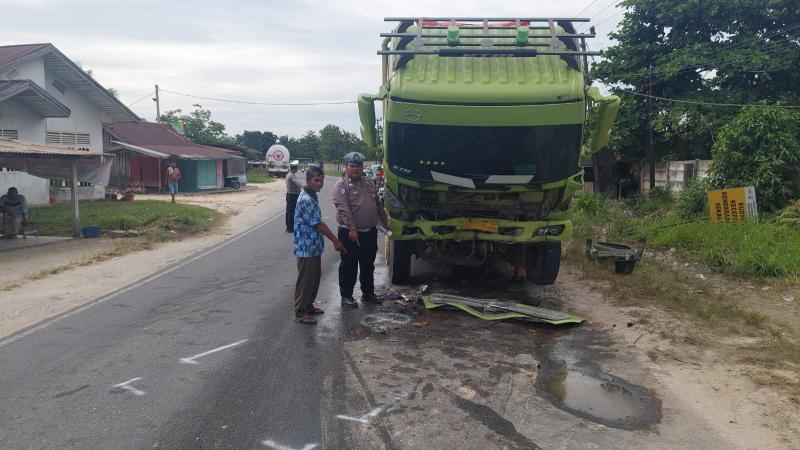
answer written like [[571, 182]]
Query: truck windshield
[[549, 153]]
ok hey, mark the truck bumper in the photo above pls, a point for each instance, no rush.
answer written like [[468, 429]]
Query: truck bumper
[[507, 231]]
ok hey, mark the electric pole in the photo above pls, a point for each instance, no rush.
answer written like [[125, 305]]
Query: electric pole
[[651, 154], [158, 105]]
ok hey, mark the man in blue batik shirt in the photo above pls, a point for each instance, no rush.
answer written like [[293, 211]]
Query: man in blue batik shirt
[[308, 247]]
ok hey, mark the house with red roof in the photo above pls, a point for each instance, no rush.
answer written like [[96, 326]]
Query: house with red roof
[[47, 99], [144, 150]]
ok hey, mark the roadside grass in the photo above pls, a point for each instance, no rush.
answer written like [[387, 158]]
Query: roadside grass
[[744, 250], [740, 254], [259, 175], [156, 220]]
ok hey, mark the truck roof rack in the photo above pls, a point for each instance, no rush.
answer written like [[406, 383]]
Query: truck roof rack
[[568, 45]]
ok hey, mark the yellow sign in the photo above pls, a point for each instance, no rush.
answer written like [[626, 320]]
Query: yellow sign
[[479, 225], [734, 205]]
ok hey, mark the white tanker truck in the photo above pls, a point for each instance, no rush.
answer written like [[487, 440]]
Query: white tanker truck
[[278, 158]]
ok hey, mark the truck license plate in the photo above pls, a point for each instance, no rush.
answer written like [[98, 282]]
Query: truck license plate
[[479, 225]]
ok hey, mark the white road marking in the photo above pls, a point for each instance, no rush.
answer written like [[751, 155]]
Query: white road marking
[[126, 385], [275, 446], [367, 418], [191, 359]]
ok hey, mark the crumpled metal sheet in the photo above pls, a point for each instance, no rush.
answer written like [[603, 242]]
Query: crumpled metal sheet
[[493, 309]]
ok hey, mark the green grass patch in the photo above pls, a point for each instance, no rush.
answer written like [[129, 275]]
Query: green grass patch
[[752, 249], [157, 219], [259, 175]]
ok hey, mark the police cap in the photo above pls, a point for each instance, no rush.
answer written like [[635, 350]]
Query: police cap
[[354, 158], [294, 163]]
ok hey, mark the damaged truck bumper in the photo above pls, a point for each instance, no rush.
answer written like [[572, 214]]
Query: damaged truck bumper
[[508, 231]]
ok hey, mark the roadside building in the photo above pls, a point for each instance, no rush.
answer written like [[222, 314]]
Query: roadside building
[[47, 99], [143, 150]]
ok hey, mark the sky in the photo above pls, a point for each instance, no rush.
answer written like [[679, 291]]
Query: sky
[[274, 51]]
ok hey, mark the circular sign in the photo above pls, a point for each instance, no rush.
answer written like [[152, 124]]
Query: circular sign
[[278, 155]]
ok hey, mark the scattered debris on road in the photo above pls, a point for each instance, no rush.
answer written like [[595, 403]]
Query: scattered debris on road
[[625, 257]]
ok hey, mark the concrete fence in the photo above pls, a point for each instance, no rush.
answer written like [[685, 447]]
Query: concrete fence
[[673, 175]]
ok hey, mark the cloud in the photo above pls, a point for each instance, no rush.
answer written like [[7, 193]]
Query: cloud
[[270, 51]]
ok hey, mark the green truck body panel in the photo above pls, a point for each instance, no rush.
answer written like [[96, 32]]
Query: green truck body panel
[[430, 102]]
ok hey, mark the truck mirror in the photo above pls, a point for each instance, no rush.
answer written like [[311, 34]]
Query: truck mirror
[[608, 108], [366, 112]]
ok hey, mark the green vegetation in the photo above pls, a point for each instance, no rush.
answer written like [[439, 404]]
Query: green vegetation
[[259, 175], [759, 147], [157, 220], [753, 249]]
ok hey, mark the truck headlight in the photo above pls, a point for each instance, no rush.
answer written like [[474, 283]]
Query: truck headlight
[[550, 230]]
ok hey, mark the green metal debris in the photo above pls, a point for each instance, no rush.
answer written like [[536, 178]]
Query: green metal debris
[[492, 309]]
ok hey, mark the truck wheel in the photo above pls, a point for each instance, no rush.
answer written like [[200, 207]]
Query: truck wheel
[[400, 261], [236, 184], [544, 260]]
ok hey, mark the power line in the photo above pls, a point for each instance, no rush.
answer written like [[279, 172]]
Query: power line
[[245, 102], [739, 105], [586, 8], [137, 101]]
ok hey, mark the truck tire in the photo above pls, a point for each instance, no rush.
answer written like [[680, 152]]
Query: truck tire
[[543, 262], [400, 261]]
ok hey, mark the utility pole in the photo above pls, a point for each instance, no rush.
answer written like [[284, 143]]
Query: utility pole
[[158, 105], [651, 154]]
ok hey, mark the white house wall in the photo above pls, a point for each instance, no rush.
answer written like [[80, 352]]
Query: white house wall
[[85, 117], [28, 70], [15, 115]]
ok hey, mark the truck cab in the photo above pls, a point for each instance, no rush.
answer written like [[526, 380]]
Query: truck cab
[[483, 130]]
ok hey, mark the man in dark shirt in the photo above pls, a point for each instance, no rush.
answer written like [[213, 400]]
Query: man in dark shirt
[[358, 211], [15, 210]]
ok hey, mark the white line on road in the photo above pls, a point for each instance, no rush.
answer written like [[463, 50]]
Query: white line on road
[[126, 385], [366, 418], [275, 446], [191, 359]]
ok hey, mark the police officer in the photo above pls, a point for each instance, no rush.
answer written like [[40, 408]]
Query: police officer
[[358, 212], [294, 185]]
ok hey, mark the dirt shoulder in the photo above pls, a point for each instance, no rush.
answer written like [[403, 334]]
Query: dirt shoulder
[[42, 282]]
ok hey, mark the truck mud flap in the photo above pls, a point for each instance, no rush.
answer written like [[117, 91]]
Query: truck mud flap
[[492, 309]]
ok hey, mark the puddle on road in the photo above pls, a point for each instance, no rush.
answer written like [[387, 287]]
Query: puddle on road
[[603, 399]]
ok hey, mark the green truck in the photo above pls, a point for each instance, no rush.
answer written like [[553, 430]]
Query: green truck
[[482, 131]]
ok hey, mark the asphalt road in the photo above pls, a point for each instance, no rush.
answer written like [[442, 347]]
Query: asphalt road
[[57, 380], [207, 355]]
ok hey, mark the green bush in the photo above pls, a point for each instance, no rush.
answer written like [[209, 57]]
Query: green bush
[[659, 200], [760, 147], [693, 199], [590, 203]]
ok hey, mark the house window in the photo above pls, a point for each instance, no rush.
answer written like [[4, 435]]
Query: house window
[[9, 134], [71, 139], [59, 85]]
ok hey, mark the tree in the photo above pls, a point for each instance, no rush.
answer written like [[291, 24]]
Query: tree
[[760, 147], [720, 51], [260, 141], [198, 126]]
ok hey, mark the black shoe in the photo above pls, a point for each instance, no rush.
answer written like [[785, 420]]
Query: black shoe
[[370, 298], [348, 300]]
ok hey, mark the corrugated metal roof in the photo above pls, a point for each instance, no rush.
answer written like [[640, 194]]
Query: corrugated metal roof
[[69, 72], [162, 138], [34, 96], [10, 53], [14, 148]]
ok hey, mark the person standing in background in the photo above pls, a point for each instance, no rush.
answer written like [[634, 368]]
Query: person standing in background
[[293, 188]]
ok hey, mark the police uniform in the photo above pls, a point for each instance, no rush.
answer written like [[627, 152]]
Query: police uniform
[[293, 188], [357, 208]]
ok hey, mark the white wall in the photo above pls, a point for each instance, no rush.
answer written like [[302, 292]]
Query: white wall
[[85, 117], [15, 115], [29, 70]]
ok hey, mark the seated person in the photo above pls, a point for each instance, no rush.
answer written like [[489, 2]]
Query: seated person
[[16, 212]]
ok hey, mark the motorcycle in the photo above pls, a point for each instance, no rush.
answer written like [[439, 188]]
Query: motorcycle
[[233, 182]]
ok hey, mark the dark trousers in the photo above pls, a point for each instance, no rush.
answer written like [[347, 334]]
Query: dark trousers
[[291, 204], [309, 272], [362, 256]]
